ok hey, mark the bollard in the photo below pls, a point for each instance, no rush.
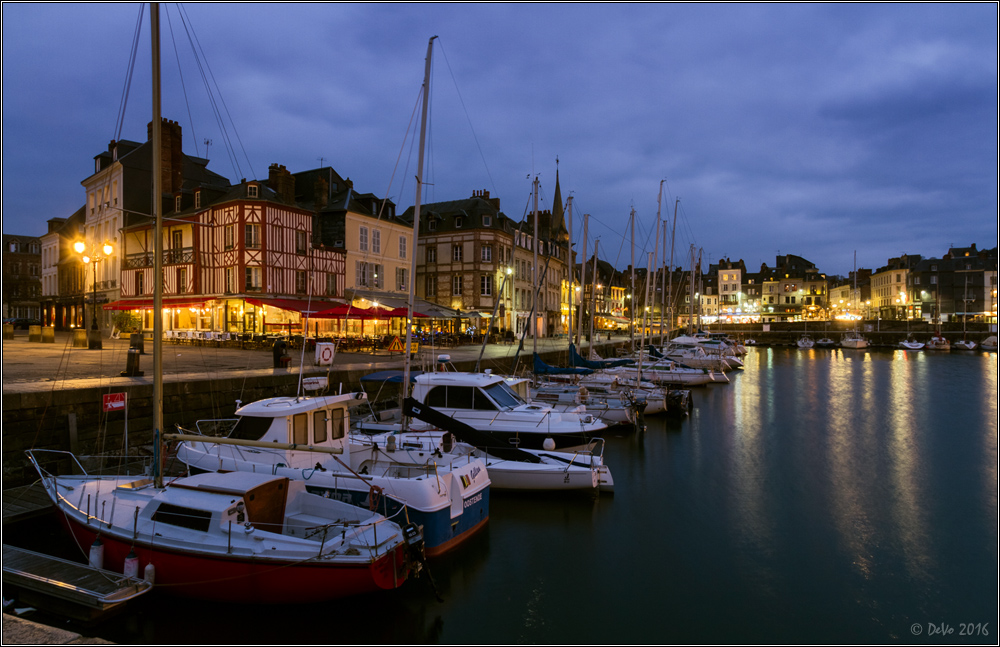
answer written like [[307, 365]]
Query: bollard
[[8, 331], [79, 338], [49, 335], [132, 364], [137, 340], [35, 333]]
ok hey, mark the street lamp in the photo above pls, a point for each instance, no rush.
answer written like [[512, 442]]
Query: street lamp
[[94, 338]]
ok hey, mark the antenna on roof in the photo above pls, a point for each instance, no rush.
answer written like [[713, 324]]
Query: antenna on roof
[[321, 160], [207, 142]]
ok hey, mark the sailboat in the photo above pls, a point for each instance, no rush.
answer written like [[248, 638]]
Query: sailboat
[[965, 343], [938, 341], [235, 537], [805, 341], [853, 338]]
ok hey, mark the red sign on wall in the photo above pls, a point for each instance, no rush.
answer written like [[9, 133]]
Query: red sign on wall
[[114, 402]]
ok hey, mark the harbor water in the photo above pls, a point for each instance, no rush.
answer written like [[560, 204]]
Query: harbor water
[[824, 496]]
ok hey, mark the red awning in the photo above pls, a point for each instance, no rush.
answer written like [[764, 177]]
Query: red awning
[[302, 306], [353, 312], [147, 304]]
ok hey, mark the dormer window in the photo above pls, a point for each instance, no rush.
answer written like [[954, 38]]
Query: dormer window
[[177, 203], [197, 199], [432, 225], [458, 222], [486, 221], [251, 190]]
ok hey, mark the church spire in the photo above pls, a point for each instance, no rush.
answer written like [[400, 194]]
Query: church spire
[[557, 225]]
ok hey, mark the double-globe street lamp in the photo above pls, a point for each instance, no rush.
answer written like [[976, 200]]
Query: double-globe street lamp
[[94, 336]]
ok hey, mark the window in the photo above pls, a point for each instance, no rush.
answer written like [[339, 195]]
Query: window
[[177, 203], [139, 288], [182, 280], [230, 236], [197, 199], [376, 241], [458, 222], [432, 225], [486, 285], [486, 221], [430, 285], [319, 427], [336, 423], [402, 279], [252, 236], [363, 239], [230, 280], [300, 429], [432, 254], [402, 247], [252, 191], [487, 253], [456, 253], [362, 276], [177, 239], [175, 515], [331, 284], [252, 276], [301, 242], [456, 286], [300, 282]]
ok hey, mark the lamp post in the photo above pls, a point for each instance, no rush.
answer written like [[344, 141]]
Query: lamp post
[[94, 336]]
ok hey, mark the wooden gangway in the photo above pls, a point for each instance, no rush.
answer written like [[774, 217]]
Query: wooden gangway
[[84, 591]]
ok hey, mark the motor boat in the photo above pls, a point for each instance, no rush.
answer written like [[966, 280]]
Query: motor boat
[[911, 343], [825, 342], [853, 339], [805, 341], [447, 494]]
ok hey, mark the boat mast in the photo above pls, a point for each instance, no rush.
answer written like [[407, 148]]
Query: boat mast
[[583, 283], [593, 295], [632, 299], [655, 266], [534, 273], [572, 268], [690, 330], [154, 26], [670, 270], [405, 390]]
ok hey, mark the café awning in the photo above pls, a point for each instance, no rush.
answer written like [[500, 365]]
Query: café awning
[[147, 304], [301, 306]]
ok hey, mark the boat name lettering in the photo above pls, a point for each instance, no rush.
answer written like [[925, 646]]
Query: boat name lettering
[[474, 500], [475, 472]]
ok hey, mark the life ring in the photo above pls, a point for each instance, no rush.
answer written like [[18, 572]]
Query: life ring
[[326, 355], [374, 495]]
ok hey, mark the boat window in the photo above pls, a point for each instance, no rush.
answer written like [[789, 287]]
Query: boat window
[[319, 427], [300, 429], [481, 402], [176, 515], [504, 395], [460, 397], [250, 428], [337, 423], [450, 397]]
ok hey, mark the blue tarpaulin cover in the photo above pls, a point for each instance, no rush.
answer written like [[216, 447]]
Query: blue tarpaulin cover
[[393, 377]]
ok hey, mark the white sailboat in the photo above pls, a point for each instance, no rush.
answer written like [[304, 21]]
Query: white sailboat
[[965, 343], [853, 338]]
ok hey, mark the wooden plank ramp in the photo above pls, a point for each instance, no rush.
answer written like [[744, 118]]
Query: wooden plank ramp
[[25, 502], [94, 591]]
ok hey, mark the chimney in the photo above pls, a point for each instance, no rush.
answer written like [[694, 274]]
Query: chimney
[[170, 154], [322, 193], [281, 182]]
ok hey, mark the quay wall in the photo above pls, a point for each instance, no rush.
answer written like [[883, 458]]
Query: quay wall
[[73, 420]]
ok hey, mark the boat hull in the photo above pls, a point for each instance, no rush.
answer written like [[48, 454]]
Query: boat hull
[[252, 580]]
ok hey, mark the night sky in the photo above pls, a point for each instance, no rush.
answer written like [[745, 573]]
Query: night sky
[[816, 130]]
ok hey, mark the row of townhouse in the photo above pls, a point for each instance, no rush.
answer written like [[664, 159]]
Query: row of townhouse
[[256, 255]]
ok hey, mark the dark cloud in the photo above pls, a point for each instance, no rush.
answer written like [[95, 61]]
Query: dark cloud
[[806, 129]]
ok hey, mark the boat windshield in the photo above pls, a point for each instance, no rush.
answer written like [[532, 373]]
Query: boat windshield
[[504, 396], [251, 428]]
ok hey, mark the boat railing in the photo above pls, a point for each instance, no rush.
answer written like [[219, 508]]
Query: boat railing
[[64, 455]]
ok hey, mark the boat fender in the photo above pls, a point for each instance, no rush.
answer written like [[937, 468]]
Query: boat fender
[[131, 565], [149, 574], [97, 553], [549, 444], [448, 442]]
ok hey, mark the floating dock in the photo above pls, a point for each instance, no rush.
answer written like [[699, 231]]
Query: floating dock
[[76, 590]]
